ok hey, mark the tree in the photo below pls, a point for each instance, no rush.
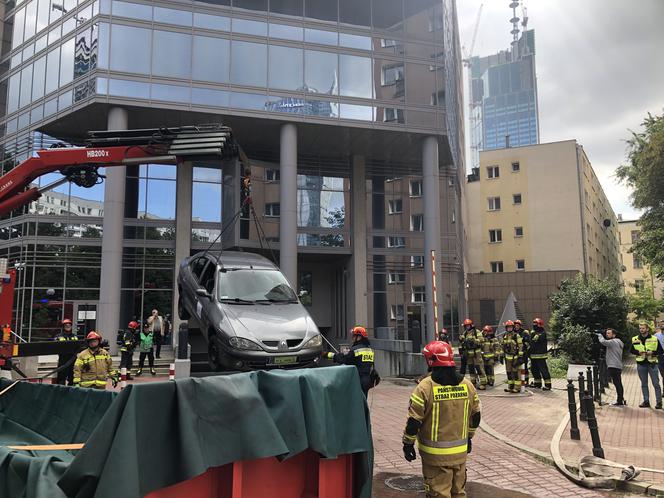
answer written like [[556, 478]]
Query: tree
[[644, 172], [644, 305], [583, 305]]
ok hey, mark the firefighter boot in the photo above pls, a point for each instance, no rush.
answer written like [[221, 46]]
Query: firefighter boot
[[153, 371], [139, 372]]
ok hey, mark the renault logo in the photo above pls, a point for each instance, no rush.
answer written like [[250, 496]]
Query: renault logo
[[283, 344]]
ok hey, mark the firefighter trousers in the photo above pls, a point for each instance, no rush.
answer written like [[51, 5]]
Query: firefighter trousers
[[126, 360], [444, 481], [488, 368], [512, 370], [476, 364], [540, 371]]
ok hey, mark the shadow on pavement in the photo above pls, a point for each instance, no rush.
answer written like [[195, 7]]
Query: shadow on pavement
[[387, 485]]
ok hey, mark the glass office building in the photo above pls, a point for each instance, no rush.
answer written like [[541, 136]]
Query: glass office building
[[349, 111], [504, 110]]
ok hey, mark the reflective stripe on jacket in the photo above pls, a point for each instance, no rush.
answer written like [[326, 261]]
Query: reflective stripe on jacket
[[445, 413], [512, 345], [651, 344], [92, 369], [491, 347], [472, 341], [538, 345]]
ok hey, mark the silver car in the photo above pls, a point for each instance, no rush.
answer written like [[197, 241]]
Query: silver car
[[247, 312]]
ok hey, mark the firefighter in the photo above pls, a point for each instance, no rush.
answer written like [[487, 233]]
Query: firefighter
[[361, 356], [538, 356], [512, 347], [491, 352], [443, 415], [93, 365], [127, 345], [473, 341], [66, 361], [444, 335], [525, 339]]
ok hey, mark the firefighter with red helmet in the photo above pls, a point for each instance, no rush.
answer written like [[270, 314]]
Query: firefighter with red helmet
[[443, 415], [127, 345], [472, 341], [491, 352], [444, 335], [525, 340], [93, 365], [539, 353], [65, 375], [361, 356], [512, 347]]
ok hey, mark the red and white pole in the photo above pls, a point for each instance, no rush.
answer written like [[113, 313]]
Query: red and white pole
[[435, 294], [123, 377], [522, 374], [171, 371]]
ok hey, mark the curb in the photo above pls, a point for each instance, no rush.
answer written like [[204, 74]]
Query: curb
[[537, 454]]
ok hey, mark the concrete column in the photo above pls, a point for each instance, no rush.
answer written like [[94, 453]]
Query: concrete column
[[288, 204], [431, 187], [358, 187], [184, 188], [108, 314]]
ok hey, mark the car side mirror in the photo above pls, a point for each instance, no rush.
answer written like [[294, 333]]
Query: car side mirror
[[202, 293], [303, 293]]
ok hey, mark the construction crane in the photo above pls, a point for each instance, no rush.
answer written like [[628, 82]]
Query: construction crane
[[473, 119]]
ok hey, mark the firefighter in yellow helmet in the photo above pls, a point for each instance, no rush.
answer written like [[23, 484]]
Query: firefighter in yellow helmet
[[512, 346], [472, 341], [93, 365], [443, 415], [491, 353]]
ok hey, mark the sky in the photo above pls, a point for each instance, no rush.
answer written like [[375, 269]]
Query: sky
[[600, 70]]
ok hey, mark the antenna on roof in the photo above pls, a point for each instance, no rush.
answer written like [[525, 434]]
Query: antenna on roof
[[515, 29]]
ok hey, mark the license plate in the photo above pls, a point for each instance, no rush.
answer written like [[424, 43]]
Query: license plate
[[285, 360]]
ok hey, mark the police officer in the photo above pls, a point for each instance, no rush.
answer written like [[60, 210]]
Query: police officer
[[127, 345], [65, 375], [491, 352], [525, 340], [93, 365], [362, 356], [539, 353], [443, 415], [473, 340], [512, 347]]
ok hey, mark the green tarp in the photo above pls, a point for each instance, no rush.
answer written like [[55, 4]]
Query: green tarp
[[157, 434]]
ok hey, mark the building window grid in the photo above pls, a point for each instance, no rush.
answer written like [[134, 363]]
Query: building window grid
[[493, 172], [417, 223], [516, 199], [418, 294], [494, 203], [395, 206], [495, 235], [496, 267], [520, 264], [518, 231]]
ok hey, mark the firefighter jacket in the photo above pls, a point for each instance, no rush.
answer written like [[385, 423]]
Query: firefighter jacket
[[512, 346], [65, 357], [471, 341], [93, 368], [641, 346], [128, 342], [525, 339], [538, 345], [445, 414], [491, 348], [362, 357]]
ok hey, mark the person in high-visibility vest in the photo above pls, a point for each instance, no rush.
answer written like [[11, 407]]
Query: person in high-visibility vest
[[539, 353], [512, 346], [93, 365], [65, 375], [472, 340], [647, 349], [525, 346], [443, 414], [491, 352], [361, 356]]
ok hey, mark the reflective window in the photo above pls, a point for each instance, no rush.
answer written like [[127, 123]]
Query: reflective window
[[159, 197], [359, 112], [102, 86], [125, 88], [135, 41], [421, 118], [325, 10], [355, 41], [50, 107], [249, 64], [105, 7], [321, 37], [320, 201], [171, 54], [68, 26], [15, 60], [388, 15], [41, 43], [419, 19], [206, 195], [355, 76], [102, 46], [54, 35], [170, 93], [64, 100], [12, 126], [132, 10], [211, 60], [286, 32], [67, 62], [172, 16], [249, 27], [392, 115], [248, 101], [287, 7], [19, 21], [30, 19], [26, 86], [13, 93], [321, 108], [28, 51], [251, 4], [23, 120], [422, 86], [355, 13], [320, 72], [36, 114], [286, 68], [208, 21], [206, 96]]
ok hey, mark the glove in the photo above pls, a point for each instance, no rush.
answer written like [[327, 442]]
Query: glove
[[409, 452], [470, 446]]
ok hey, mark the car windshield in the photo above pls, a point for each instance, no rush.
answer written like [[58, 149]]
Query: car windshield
[[254, 285]]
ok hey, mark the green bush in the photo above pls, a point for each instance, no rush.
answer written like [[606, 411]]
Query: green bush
[[558, 366], [575, 341]]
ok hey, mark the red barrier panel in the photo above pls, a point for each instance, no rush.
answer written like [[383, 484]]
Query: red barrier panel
[[303, 476]]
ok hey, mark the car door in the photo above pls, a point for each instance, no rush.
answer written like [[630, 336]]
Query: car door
[[191, 282], [205, 305]]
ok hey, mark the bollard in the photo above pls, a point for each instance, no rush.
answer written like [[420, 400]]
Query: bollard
[[589, 381], [183, 342], [123, 378], [598, 394], [522, 375], [171, 371], [592, 425], [582, 388], [571, 397]]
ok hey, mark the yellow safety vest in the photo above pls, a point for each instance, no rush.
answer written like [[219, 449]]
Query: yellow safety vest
[[650, 345]]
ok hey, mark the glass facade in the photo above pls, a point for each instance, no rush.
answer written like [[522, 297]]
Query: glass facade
[[374, 64]]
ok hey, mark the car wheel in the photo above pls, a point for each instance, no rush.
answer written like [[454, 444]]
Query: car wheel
[[182, 312], [215, 353]]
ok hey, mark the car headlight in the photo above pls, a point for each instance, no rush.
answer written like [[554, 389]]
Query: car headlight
[[242, 343], [315, 342]]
